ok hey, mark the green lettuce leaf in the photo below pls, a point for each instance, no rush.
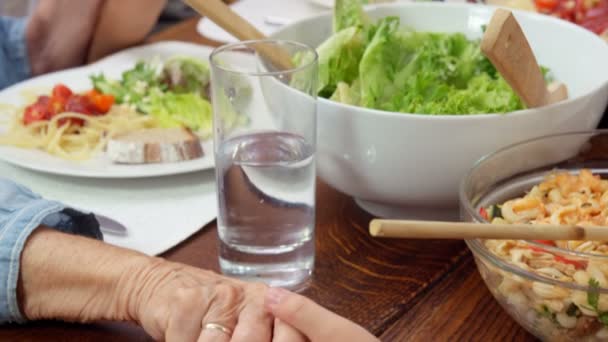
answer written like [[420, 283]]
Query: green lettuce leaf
[[175, 110], [114, 88], [349, 94], [383, 58], [430, 73], [383, 66], [348, 13], [186, 75], [134, 85], [339, 59]]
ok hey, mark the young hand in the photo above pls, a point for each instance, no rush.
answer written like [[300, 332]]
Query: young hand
[[299, 319]]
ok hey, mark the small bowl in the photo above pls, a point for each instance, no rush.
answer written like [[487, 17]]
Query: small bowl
[[550, 307], [410, 165]]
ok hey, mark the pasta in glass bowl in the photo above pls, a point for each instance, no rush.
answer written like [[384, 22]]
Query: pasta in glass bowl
[[557, 290]]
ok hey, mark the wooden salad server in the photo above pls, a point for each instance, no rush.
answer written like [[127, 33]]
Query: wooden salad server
[[506, 46], [226, 18]]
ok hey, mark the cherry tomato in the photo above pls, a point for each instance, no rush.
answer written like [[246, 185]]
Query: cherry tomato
[[103, 102], [80, 104], [56, 106], [92, 93], [64, 100], [43, 100], [61, 92], [36, 112]]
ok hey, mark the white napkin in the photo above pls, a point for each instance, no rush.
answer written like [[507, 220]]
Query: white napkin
[[158, 212]]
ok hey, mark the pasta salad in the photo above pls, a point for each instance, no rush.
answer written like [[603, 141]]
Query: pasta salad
[[555, 312]]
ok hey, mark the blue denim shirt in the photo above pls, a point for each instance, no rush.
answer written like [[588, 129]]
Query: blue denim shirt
[[14, 61], [21, 212]]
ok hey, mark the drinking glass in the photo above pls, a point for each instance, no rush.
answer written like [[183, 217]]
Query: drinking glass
[[264, 104]]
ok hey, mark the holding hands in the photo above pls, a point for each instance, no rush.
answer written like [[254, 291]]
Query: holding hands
[[86, 280], [181, 303]]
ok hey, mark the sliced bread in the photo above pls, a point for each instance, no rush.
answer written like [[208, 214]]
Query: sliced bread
[[155, 145]]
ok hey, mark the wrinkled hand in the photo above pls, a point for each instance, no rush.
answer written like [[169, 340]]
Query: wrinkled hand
[[173, 302], [77, 279], [300, 319]]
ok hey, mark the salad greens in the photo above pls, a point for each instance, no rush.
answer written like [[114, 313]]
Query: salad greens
[[382, 65], [593, 297], [187, 74], [174, 92], [180, 109], [348, 13], [339, 59]]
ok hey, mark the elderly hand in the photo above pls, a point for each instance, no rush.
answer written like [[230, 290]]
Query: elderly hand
[[174, 302], [300, 319], [78, 279]]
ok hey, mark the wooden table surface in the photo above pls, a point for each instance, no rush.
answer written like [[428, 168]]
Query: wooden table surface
[[399, 290]]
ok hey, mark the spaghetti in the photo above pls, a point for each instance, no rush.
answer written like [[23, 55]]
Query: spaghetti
[[61, 137]]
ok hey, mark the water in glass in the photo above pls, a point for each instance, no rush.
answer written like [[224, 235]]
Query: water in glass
[[266, 219]]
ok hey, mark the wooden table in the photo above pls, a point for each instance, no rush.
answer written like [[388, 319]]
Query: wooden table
[[399, 290]]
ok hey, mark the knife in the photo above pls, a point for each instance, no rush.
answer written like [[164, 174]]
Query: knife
[[111, 226], [107, 225]]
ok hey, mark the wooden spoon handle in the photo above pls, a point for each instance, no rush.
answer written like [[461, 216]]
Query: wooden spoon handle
[[226, 18], [506, 46], [470, 230]]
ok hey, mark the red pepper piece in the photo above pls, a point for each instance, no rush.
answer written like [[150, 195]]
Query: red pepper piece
[[484, 213], [578, 264], [546, 242]]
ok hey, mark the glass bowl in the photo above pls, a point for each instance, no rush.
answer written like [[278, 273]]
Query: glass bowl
[[556, 294]]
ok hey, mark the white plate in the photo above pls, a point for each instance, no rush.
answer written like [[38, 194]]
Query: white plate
[[78, 78]]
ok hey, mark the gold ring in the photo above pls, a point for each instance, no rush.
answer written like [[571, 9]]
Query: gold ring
[[215, 326]]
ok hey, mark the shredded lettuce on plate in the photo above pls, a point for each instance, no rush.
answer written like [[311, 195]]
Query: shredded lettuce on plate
[[175, 92], [187, 75], [185, 109], [134, 85], [383, 65]]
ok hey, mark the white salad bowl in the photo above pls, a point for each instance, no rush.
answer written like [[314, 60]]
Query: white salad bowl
[[410, 165]]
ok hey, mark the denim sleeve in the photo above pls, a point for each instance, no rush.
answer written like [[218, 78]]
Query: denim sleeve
[[14, 61], [21, 212]]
